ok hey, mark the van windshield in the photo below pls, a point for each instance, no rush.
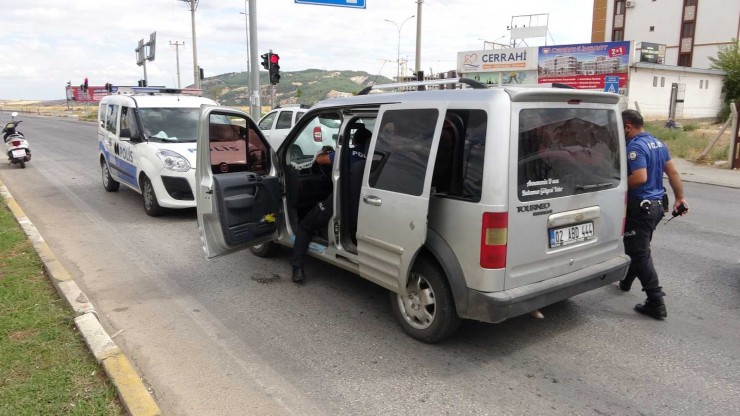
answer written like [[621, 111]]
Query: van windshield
[[170, 125], [567, 151]]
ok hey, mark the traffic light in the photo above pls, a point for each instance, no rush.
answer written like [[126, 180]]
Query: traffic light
[[266, 60], [85, 84], [142, 83], [109, 87], [274, 68]]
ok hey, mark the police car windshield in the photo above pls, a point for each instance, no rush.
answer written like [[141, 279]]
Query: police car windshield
[[170, 124]]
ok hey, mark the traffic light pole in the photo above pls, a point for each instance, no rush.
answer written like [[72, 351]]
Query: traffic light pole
[[254, 73]]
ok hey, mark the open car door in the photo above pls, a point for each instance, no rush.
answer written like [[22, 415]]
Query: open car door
[[394, 201], [237, 192]]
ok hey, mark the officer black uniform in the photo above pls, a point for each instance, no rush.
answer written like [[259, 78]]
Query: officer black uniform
[[647, 160], [320, 215]]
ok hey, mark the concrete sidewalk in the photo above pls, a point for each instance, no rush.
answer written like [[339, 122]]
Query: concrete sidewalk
[[692, 172]]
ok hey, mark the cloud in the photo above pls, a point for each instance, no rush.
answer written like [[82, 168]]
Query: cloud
[[48, 45]]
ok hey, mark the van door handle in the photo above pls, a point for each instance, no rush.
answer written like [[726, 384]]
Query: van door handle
[[372, 200]]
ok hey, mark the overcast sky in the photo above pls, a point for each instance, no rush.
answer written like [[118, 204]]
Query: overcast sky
[[45, 43]]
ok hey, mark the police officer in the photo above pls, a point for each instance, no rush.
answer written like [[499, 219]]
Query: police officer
[[647, 160], [320, 215]]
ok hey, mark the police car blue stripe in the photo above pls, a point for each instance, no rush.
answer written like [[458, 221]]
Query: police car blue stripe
[[126, 171]]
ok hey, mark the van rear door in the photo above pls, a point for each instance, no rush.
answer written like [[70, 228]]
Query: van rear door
[[567, 199]]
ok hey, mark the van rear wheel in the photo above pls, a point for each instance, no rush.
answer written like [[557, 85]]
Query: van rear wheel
[[426, 309]]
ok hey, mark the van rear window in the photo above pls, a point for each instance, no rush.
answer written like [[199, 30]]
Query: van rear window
[[567, 151]]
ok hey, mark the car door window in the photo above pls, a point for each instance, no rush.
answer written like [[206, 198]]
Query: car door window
[[266, 122], [111, 123], [284, 120], [402, 149], [321, 130], [458, 170], [128, 121], [236, 146]]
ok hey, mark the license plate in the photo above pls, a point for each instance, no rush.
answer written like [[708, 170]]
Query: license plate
[[571, 234], [19, 153]]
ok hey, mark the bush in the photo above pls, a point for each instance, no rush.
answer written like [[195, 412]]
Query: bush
[[724, 113], [690, 127]]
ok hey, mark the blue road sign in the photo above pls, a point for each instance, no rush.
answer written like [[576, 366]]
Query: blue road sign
[[357, 4], [611, 84]]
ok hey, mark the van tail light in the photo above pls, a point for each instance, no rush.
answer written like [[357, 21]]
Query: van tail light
[[317, 137], [494, 235], [624, 216], [15, 142]]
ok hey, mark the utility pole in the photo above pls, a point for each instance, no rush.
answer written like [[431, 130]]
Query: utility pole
[[177, 58], [418, 37], [246, 20], [254, 74], [192, 6]]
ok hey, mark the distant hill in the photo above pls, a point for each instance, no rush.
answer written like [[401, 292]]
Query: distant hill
[[300, 87]]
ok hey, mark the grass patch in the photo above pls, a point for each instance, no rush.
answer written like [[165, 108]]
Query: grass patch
[[688, 143], [45, 367]]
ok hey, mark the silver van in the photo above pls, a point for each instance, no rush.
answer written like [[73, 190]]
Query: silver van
[[475, 203]]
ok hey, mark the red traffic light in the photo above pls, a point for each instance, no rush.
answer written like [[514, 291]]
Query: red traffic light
[[274, 58]]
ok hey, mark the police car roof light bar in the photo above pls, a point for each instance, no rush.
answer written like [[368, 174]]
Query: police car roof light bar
[[413, 84], [165, 90]]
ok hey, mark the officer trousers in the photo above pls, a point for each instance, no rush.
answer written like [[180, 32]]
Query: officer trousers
[[318, 217], [638, 233]]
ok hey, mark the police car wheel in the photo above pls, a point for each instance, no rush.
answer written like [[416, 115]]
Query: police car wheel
[[151, 206], [426, 309], [109, 183], [268, 249]]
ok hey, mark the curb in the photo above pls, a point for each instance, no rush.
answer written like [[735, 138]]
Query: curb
[[131, 390]]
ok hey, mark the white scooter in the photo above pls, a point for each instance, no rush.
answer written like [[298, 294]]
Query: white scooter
[[16, 143]]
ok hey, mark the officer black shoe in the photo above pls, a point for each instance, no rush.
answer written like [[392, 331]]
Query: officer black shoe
[[298, 275], [625, 285], [653, 309]]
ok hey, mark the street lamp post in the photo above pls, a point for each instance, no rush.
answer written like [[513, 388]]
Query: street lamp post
[[246, 19], [398, 53]]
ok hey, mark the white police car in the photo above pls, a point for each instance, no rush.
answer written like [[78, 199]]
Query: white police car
[[147, 142]]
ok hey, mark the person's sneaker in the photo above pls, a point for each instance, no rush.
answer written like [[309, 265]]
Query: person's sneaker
[[625, 285], [298, 275], [652, 309]]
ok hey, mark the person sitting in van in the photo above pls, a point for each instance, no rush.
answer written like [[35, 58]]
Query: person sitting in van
[[320, 215]]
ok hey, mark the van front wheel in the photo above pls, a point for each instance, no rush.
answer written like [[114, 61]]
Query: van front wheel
[[267, 249], [426, 310], [109, 183], [151, 205]]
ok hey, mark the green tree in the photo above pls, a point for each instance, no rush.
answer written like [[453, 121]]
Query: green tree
[[728, 60]]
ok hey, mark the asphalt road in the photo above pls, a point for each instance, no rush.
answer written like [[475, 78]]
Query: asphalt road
[[235, 336]]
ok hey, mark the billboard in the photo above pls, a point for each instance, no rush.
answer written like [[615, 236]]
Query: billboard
[[497, 60], [584, 66], [653, 53], [93, 94]]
